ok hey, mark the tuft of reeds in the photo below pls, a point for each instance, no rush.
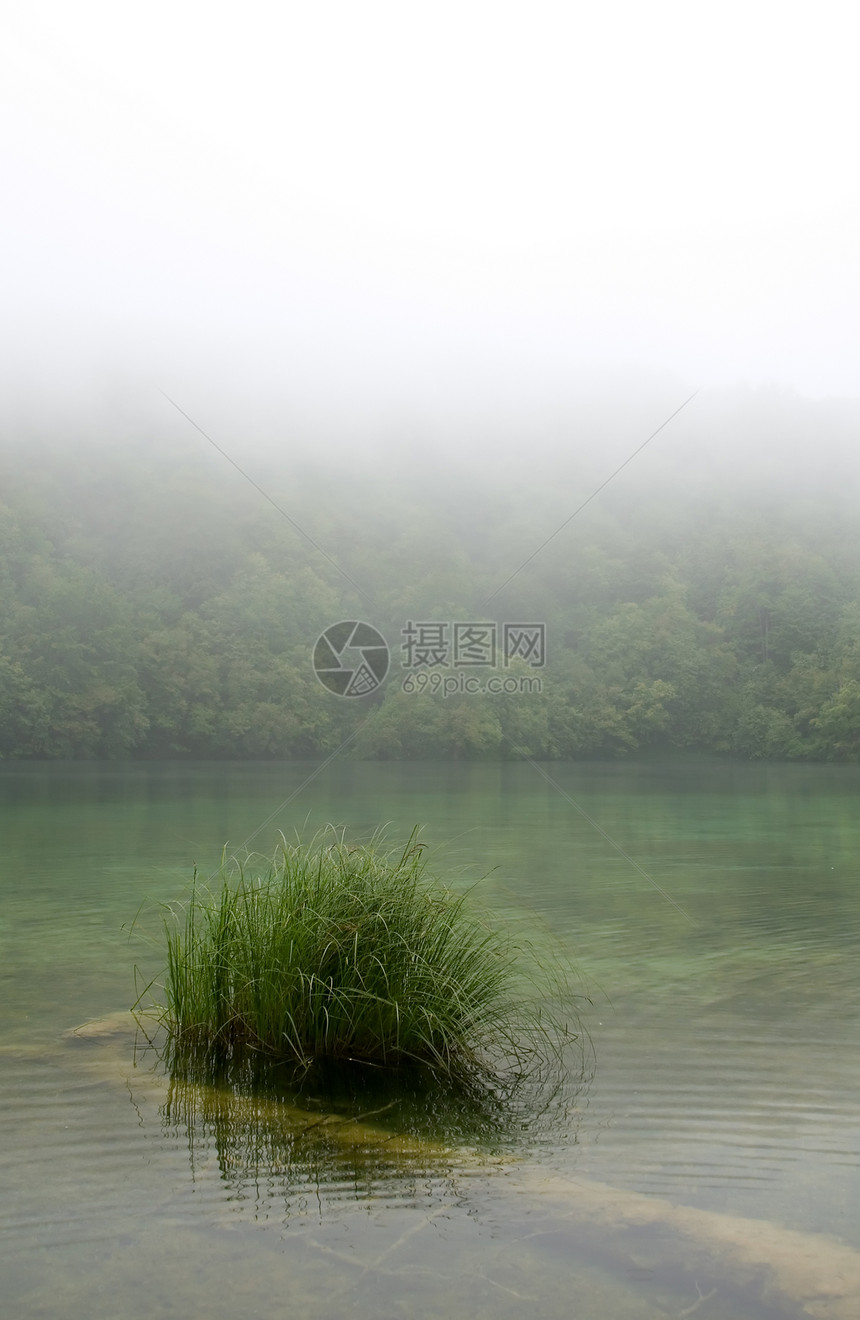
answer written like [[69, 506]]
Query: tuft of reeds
[[333, 953]]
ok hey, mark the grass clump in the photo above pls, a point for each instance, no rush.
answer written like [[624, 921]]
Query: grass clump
[[338, 953]]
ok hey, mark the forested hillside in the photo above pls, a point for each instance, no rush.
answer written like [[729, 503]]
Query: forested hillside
[[154, 604]]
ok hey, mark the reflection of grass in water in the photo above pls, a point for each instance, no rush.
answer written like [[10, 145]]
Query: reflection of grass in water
[[283, 1162], [404, 1133], [263, 1138], [334, 953], [304, 1155], [410, 1106]]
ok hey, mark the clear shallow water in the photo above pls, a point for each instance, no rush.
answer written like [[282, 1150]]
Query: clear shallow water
[[725, 1074]]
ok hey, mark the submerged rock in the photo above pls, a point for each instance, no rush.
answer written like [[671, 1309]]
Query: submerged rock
[[104, 1028], [811, 1271]]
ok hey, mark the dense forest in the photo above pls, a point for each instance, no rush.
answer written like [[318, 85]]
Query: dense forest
[[156, 603]]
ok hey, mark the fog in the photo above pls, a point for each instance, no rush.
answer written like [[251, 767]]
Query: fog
[[354, 225]]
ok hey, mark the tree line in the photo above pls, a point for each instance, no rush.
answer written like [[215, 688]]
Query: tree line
[[152, 604]]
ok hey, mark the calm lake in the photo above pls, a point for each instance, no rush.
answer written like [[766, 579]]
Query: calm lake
[[702, 1160]]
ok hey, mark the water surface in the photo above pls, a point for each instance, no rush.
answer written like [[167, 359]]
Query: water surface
[[723, 1018]]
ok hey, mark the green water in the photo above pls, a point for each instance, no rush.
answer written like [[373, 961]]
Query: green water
[[723, 1074]]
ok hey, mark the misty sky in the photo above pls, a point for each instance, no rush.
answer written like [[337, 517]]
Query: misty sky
[[378, 205]]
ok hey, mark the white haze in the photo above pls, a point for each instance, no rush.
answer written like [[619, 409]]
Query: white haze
[[416, 220]]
